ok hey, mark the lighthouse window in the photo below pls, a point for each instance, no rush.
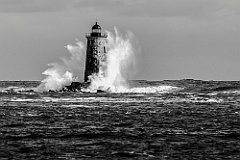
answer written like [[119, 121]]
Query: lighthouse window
[[96, 31]]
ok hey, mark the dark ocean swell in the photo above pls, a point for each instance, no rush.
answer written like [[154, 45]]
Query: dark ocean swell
[[172, 119]]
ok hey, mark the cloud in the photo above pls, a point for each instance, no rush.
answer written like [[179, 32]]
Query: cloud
[[159, 8], [28, 6], [127, 8]]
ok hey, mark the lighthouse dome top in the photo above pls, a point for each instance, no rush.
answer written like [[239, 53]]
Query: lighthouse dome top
[[96, 32], [96, 26]]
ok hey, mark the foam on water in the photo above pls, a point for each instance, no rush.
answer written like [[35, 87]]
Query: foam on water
[[14, 89], [191, 98], [208, 100], [116, 95], [118, 99], [231, 92], [156, 89], [235, 92], [125, 89]]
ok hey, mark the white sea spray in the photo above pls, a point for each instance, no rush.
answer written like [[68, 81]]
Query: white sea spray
[[63, 73], [120, 57]]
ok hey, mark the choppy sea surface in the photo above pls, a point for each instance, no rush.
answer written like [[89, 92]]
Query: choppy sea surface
[[172, 119]]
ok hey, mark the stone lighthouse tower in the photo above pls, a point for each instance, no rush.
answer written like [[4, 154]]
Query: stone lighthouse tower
[[96, 52]]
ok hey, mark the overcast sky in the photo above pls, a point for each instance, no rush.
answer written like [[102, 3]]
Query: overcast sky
[[179, 39]]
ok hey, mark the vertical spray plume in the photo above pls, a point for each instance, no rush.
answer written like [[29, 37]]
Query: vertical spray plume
[[120, 57], [120, 60], [63, 73]]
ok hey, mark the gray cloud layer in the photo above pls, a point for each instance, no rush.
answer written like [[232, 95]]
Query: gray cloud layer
[[179, 38], [155, 8], [28, 6]]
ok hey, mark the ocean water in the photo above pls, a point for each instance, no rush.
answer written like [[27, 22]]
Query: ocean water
[[172, 119]]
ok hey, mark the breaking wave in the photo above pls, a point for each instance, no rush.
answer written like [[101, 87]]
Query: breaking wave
[[120, 58], [120, 64], [62, 73], [14, 89], [124, 89], [145, 90]]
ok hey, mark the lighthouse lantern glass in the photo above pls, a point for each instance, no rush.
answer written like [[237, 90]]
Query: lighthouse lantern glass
[[96, 31]]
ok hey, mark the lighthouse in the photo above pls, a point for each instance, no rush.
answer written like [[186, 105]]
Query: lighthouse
[[95, 53]]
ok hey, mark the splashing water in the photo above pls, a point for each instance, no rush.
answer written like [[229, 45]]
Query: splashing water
[[119, 64], [120, 55], [62, 73]]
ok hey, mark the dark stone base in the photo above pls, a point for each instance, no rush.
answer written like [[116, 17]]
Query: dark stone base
[[76, 86]]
